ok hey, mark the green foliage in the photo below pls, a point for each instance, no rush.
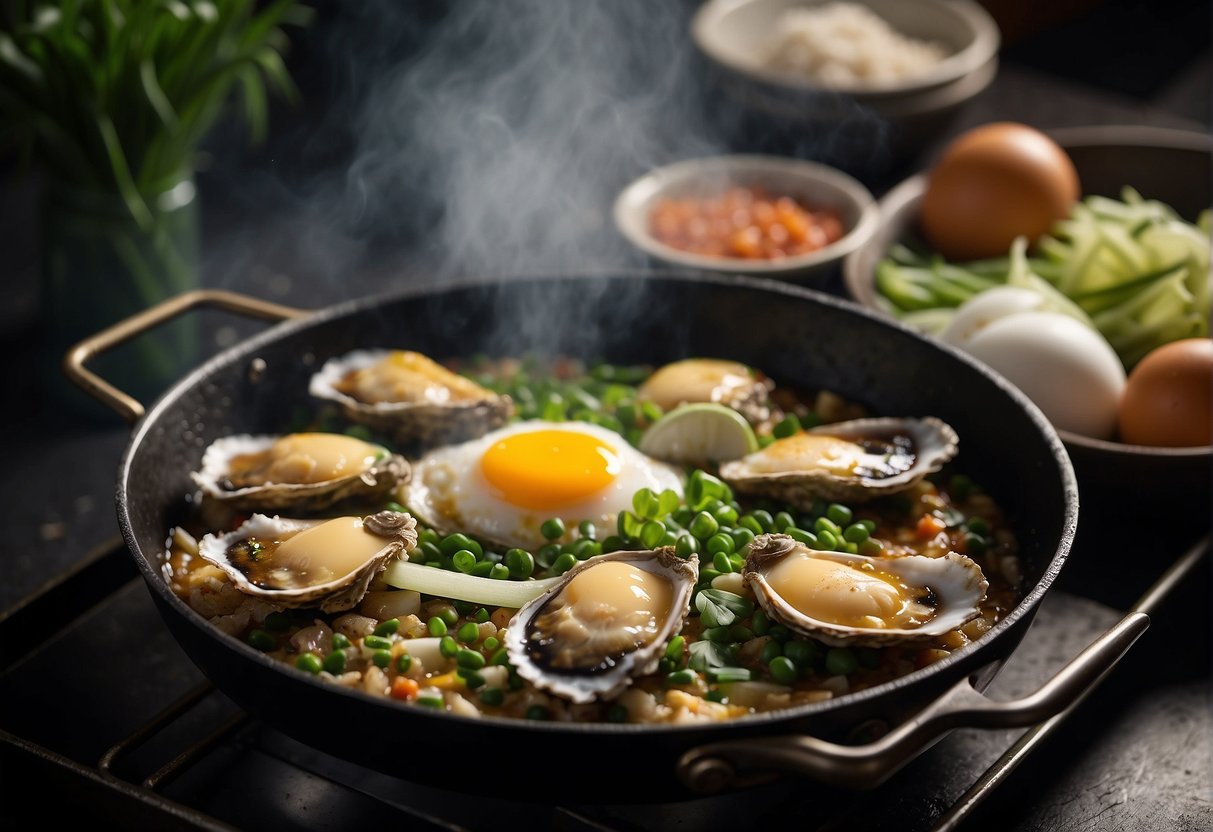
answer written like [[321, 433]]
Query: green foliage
[[116, 95]]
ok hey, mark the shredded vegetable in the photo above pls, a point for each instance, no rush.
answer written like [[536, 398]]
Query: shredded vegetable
[[1132, 268]]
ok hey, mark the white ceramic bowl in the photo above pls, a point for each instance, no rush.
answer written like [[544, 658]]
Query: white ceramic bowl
[[735, 37], [813, 185]]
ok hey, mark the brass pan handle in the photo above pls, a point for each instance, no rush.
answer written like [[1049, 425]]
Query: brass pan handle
[[735, 763], [123, 331]]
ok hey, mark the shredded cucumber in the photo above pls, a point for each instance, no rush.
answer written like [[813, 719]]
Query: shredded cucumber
[[1131, 268]]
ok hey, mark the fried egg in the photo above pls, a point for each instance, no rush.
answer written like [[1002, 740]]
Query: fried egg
[[502, 486]]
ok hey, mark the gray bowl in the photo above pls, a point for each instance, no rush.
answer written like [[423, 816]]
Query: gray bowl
[[808, 182], [1174, 166], [860, 128]]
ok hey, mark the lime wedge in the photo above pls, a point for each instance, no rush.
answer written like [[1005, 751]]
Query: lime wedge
[[700, 432]]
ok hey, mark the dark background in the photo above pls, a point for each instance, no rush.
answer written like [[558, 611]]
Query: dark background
[[271, 230]]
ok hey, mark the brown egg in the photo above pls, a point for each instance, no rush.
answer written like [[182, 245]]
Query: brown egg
[[992, 184], [1168, 399]]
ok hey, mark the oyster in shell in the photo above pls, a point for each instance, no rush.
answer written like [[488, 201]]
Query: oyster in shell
[[843, 599], [852, 461], [300, 471], [409, 397], [709, 380], [605, 623], [310, 563]]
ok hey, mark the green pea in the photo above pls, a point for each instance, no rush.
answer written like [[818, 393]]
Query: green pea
[[276, 621], [827, 540], [840, 514], [427, 536], [587, 530], [449, 616], [377, 643], [787, 426], [740, 633], [537, 712], [737, 561], [871, 548], [470, 659], [520, 563], [685, 545], [651, 534], [310, 663], [783, 670], [742, 537], [686, 676], [856, 533], [564, 563], [403, 662], [552, 528], [870, 525], [448, 647], [430, 552], [721, 562], [481, 615], [804, 653], [825, 524], [784, 521], [381, 658], [626, 413], [613, 543], [492, 696], [500, 658], [674, 650], [468, 632], [770, 651], [716, 695], [759, 623], [766, 522], [720, 635], [669, 539], [721, 543], [261, 640], [340, 642], [464, 561], [546, 555], [499, 572], [334, 662], [491, 643], [800, 535], [704, 525], [483, 568], [471, 678], [436, 626], [841, 661], [454, 542], [708, 574], [726, 515], [586, 549], [779, 632]]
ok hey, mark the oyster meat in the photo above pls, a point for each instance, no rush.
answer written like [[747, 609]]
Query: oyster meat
[[409, 397], [310, 563], [843, 599], [605, 623], [852, 461], [300, 471], [709, 380]]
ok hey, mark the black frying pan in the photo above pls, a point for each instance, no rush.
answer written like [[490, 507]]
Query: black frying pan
[[795, 335]]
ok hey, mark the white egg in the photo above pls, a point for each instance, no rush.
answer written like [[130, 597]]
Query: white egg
[[979, 311], [505, 484], [1067, 369]]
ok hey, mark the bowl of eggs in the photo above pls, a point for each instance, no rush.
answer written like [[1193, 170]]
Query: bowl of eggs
[[1076, 264], [859, 84], [772, 216]]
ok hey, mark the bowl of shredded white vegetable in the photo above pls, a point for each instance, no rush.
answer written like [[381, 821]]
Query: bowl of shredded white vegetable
[[886, 74], [1131, 262]]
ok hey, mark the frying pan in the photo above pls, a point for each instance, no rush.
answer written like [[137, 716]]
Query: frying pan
[[796, 336]]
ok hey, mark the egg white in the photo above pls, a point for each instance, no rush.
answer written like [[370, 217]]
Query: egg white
[[449, 492]]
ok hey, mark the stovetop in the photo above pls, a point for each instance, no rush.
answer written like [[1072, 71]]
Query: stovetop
[[102, 705]]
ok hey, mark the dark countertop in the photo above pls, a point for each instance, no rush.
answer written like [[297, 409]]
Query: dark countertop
[[1135, 756]]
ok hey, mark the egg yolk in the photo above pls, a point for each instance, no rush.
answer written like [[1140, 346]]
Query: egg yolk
[[547, 469]]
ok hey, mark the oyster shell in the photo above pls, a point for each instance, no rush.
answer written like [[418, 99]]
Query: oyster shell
[[843, 599], [300, 471], [604, 624], [709, 380], [409, 397], [852, 461], [310, 563]]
